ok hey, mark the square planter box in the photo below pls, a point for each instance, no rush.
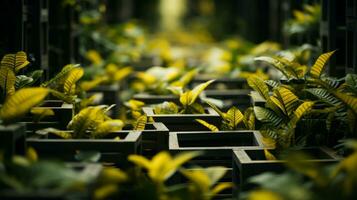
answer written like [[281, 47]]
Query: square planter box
[[63, 112], [238, 98], [112, 151], [13, 139], [221, 83], [176, 122], [216, 147], [88, 170], [155, 138], [155, 99], [110, 96], [251, 162]]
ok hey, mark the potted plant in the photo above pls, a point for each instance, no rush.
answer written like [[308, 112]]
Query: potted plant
[[16, 106], [250, 162], [29, 178], [177, 117], [159, 84], [90, 130]]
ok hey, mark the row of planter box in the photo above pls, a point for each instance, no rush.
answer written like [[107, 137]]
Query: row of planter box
[[242, 152]]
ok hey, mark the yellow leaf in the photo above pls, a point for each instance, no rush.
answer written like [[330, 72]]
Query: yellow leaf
[[320, 63], [88, 85], [300, 111], [94, 57], [258, 85], [134, 104], [140, 123], [264, 195], [103, 192], [70, 83], [21, 102], [211, 127], [39, 113], [220, 187], [140, 161], [268, 155], [7, 80], [108, 126], [122, 73], [15, 62], [146, 78], [31, 154], [113, 175]]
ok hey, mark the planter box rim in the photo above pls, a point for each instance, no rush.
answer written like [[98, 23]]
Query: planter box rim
[[244, 158], [149, 111], [173, 140]]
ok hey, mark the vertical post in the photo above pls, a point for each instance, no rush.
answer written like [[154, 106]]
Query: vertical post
[[37, 33], [351, 36], [333, 35], [12, 18]]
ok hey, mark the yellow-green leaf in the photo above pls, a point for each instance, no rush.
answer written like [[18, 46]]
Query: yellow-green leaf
[[40, 113], [15, 61], [211, 127], [258, 85], [234, 116], [140, 161], [300, 111], [350, 101], [7, 80], [140, 123], [268, 155], [122, 73], [21, 102], [320, 63], [74, 75], [108, 126]]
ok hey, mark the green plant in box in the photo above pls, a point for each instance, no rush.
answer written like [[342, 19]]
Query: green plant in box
[[188, 100]]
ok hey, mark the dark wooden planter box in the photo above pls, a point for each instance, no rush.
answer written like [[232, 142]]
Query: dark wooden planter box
[[176, 122], [13, 139], [155, 99], [251, 162], [155, 138], [110, 96], [221, 83], [112, 151], [63, 112], [90, 170], [238, 98], [216, 147]]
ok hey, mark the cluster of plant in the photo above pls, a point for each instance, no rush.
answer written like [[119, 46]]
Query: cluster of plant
[[306, 97], [308, 180], [305, 21]]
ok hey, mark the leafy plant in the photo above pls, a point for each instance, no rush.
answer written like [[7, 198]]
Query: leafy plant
[[91, 122], [309, 180], [28, 175], [21, 103], [187, 100], [11, 65], [230, 120]]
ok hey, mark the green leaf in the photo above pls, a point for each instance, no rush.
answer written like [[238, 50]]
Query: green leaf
[[88, 156], [22, 81], [325, 96], [7, 80], [87, 119], [350, 101], [15, 62], [60, 77], [258, 85], [21, 102], [234, 116], [249, 118], [320, 63], [211, 127], [267, 116]]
